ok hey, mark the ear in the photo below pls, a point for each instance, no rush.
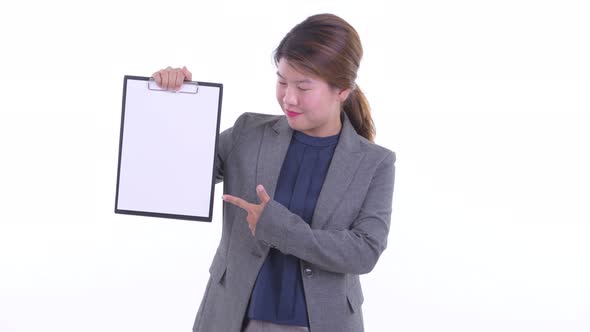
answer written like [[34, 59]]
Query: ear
[[343, 94]]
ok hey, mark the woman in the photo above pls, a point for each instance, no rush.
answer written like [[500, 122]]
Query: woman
[[308, 195]]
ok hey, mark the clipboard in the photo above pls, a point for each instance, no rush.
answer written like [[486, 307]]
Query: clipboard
[[167, 149]]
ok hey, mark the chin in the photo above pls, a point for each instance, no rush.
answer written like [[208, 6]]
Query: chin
[[294, 125]]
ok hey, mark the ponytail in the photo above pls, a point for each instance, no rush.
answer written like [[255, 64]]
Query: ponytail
[[358, 111]]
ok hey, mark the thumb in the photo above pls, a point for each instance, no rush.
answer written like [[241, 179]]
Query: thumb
[[262, 194], [187, 74]]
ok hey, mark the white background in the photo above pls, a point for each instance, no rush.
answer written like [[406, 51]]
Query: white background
[[486, 104]]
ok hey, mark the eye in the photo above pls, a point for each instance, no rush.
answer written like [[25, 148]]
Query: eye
[[303, 89], [282, 83]]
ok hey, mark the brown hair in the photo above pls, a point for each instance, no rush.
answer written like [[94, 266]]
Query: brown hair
[[327, 46]]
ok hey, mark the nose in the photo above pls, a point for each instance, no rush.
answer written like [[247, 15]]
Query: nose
[[290, 97]]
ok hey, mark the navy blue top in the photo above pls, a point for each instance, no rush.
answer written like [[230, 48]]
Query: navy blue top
[[278, 292]]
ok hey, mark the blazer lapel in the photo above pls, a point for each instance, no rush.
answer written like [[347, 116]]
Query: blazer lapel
[[273, 150], [345, 162]]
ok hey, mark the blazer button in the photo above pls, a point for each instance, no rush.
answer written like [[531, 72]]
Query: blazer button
[[308, 272]]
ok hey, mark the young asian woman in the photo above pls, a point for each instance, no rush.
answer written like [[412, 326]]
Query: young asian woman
[[307, 194]]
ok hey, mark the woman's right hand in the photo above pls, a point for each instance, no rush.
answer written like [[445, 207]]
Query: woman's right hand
[[172, 78]]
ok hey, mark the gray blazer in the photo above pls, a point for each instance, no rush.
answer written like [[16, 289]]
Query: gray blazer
[[347, 235]]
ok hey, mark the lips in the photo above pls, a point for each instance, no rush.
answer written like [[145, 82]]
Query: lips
[[289, 113]]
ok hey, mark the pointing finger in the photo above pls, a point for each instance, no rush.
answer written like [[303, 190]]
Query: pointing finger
[[236, 201]]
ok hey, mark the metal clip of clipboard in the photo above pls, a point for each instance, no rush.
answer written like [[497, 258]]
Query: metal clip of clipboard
[[187, 87]]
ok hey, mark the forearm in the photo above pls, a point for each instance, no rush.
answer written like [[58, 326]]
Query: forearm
[[354, 251]]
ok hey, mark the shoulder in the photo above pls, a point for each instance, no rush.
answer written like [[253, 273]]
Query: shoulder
[[375, 152], [252, 121], [249, 125]]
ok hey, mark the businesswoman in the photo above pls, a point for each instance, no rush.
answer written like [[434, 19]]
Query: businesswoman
[[307, 194]]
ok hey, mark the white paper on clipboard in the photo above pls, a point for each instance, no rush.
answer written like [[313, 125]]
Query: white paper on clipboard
[[167, 149]]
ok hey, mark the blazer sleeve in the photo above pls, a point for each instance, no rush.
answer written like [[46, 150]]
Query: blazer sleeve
[[354, 250], [225, 144]]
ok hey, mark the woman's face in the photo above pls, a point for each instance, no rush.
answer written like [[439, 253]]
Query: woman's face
[[311, 105]]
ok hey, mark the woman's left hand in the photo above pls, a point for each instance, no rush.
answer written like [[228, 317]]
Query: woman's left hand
[[254, 210]]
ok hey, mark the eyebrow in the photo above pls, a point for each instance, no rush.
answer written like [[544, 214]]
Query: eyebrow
[[300, 81]]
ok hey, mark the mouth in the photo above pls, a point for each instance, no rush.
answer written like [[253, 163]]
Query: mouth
[[291, 113]]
